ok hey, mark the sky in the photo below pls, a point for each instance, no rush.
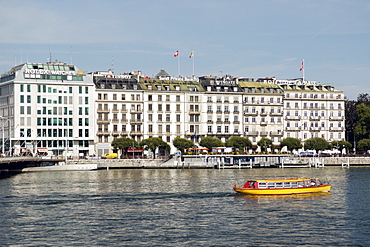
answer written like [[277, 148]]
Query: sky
[[242, 38]]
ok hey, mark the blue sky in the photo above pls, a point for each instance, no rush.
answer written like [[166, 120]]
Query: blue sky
[[244, 38]]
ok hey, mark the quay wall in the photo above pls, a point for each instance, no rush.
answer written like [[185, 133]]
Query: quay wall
[[192, 161]]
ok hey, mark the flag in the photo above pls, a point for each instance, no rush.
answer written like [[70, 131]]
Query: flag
[[195, 135], [176, 53], [191, 54], [302, 66]]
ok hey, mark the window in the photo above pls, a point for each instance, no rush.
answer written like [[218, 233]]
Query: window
[[262, 185]]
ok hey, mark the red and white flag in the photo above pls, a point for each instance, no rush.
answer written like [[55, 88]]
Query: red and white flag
[[302, 66], [176, 53]]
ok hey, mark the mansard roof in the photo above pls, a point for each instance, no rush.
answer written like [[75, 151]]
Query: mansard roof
[[162, 73]]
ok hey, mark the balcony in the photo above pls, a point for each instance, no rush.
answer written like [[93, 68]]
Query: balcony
[[296, 118], [264, 133], [251, 133], [276, 133], [263, 114], [116, 133], [293, 128], [276, 113], [103, 111], [194, 112], [336, 128], [251, 113], [315, 128], [135, 111], [315, 118], [136, 121], [102, 120], [336, 118]]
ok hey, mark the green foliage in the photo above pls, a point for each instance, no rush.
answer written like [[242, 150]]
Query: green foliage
[[123, 143], [363, 144], [291, 143], [265, 143], [316, 143], [153, 143], [211, 142], [362, 126], [238, 142], [341, 144], [182, 144]]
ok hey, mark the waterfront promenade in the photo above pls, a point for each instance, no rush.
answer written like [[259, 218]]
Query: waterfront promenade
[[191, 162]]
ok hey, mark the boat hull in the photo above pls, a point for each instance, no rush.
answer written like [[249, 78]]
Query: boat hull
[[284, 191]]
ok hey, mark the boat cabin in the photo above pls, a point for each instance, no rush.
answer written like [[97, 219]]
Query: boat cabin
[[282, 183]]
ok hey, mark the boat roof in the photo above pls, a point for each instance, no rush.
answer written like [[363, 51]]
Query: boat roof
[[281, 180]]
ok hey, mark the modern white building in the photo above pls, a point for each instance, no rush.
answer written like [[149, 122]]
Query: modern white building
[[47, 108]]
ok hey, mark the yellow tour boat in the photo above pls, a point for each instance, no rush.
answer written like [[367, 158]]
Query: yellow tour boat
[[283, 186]]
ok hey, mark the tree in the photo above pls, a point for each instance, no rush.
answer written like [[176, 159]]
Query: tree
[[182, 144], [341, 144], [362, 126], [123, 143], [153, 143], [363, 144], [211, 142], [316, 143], [264, 143], [238, 142], [291, 143]]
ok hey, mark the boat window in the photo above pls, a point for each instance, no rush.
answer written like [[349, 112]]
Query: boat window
[[250, 184], [307, 183], [294, 184], [270, 185], [286, 184], [261, 185], [300, 183], [279, 185]]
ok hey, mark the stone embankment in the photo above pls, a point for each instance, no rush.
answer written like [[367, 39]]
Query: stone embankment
[[193, 162]]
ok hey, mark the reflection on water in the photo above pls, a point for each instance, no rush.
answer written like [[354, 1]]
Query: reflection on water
[[172, 207]]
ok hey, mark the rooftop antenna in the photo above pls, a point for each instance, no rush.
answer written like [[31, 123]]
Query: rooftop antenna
[[27, 53], [49, 59], [71, 55], [112, 65]]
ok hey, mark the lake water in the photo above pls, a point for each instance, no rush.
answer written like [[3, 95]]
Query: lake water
[[169, 207]]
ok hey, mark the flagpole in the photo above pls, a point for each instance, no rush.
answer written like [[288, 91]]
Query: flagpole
[[303, 70], [193, 63], [178, 64]]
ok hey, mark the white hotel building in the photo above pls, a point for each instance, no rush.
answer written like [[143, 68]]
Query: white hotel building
[[56, 107], [47, 108]]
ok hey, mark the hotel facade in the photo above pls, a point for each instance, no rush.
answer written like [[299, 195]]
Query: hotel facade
[[56, 108]]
